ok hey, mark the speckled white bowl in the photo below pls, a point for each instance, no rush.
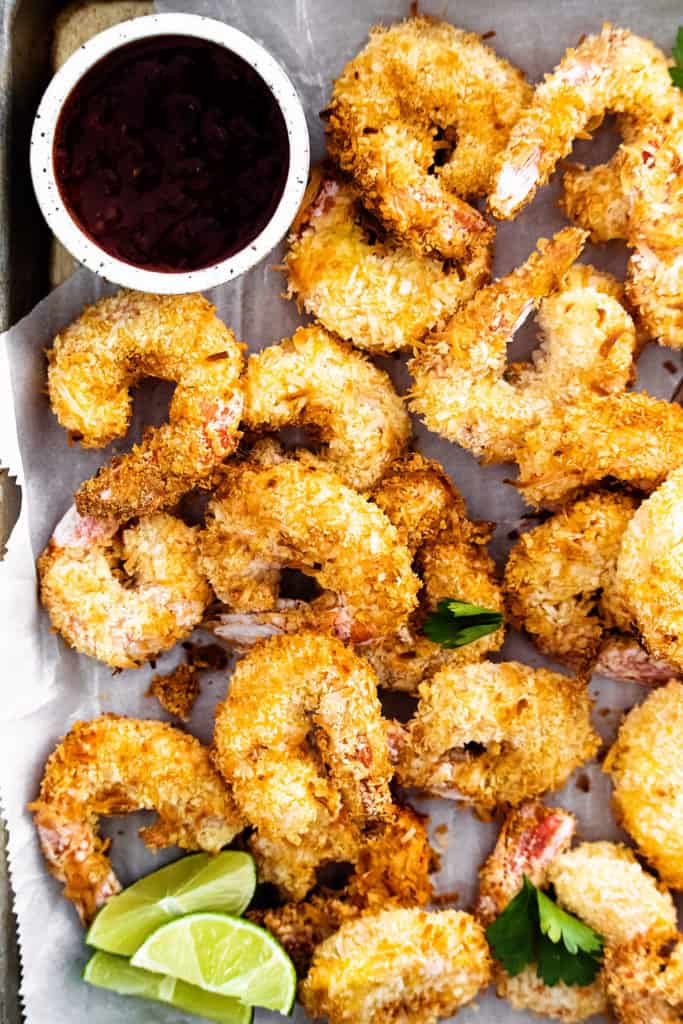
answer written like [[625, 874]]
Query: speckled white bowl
[[68, 230]]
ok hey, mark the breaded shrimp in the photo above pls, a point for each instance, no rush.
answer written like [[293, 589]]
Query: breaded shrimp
[[417, 88], [301, 739], [364, 285], [614, 71], [647, 773], [86, 572], [495, 733], [392, 868], [558, 580], [116, 765], [630, 437], [315, 380], [451, 558], [644, 980], [402, 966], [601, 883], [114, 344], [649, 571], [266, 518], [463, 387]]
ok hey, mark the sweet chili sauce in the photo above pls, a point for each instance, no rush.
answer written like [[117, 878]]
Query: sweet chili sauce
[[171, 153]]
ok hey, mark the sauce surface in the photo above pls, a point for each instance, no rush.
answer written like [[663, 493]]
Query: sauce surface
[[171, 153]]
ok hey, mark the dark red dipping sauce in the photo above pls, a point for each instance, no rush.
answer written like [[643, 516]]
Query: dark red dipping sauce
[[171, 153]]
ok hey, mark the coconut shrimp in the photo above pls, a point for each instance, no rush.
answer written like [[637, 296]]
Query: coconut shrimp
[[392, 868], [117, 765], [315, 380], [404, 966], [495, 733], [364, 285], [451, 558], [302, 741], [86, 572], [400, 105], [644, 980], [601, 883], [266, 518], [559, 580], [463, 387], [645, 767], [614, 71], [95, 361]]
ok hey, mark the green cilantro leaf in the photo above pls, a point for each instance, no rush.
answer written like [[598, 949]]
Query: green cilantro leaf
[[677, 72], [456, 623], [533, 928]]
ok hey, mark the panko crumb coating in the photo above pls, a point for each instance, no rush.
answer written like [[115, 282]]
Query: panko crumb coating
[[315, 380], [414, 89], [123, 597], [117, 765], [647, 773], [534, 727], [115, 343], [363, 284], [644, 979], [400, 966], [176, 691], [264, 518]]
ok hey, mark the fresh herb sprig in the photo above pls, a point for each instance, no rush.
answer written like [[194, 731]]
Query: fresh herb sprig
[[533, 929], [677, 71], [456, 623]]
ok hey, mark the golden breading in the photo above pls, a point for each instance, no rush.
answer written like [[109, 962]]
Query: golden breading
[[95, 362], [265, 518], [86, 572], [614, 71], [533, 725], [647, 773], [631, 437], [414, 89], [463, 387], [596, 198], [116, 765], [567, 1003], [451, 558], [644, 981], [364, 285], [315, 380], [558, 575], [649, 572], [403, 966], [301, 739], [176, 691]]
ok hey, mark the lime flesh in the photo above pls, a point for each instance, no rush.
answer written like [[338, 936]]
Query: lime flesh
[[224, 882], [223, 954], [118, 975]]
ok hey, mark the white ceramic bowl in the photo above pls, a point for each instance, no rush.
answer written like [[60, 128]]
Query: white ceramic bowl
[[67, 229]]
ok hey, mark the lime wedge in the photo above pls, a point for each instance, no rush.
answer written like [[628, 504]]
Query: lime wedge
[[223, 954], [224, 882], [117, 974]]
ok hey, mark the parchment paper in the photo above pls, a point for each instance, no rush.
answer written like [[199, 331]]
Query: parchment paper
[[46, 686]]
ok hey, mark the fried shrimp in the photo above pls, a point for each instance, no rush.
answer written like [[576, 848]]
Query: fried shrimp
[[646, 771], [450, 557], [266, 518], [116, 765], [630, 437], [399, 105], [559, 581], [315, 380], [495, 733], [364, 285], [301, 739], [114, 344], [86, 572], [400, 966], [644, 980], [463, 387], [612, 72], [601, 883]]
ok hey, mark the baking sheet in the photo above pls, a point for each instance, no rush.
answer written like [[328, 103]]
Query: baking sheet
[[47, 686]]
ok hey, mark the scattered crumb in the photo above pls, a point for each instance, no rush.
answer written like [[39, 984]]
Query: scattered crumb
[[604, 712], [443, 898], [583, 783], [513, 535], [205, 656], [441, 829], [669, 365], [441, 837], [490, 34], [177, 691]]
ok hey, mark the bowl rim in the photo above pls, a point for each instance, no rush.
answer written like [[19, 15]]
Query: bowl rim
[[74, 238]]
